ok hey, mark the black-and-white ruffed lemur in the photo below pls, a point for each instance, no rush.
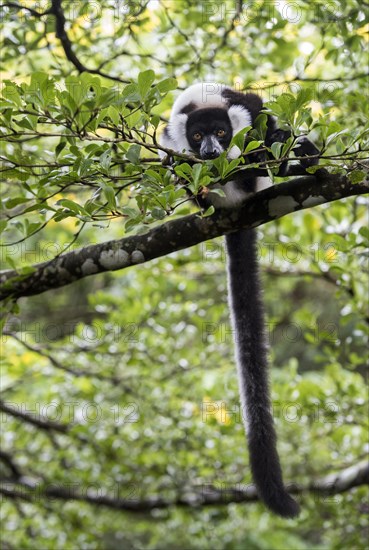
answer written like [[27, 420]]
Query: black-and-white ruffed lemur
[[203, 120]]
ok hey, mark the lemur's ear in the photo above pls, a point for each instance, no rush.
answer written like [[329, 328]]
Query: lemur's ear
[[187, 109]]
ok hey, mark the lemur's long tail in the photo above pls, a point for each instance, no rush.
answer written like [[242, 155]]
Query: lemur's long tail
[[251, 352]]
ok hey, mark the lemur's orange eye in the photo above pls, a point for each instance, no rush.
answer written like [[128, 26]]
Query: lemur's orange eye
[[197, 136], [221, 132]]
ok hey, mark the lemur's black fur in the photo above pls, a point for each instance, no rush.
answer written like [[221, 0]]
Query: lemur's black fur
[[203, 122]]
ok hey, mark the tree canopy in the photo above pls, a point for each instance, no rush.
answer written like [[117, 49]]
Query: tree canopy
[[121, 424]]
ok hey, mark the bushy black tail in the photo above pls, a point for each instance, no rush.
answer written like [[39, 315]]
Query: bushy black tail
[[251, 352]]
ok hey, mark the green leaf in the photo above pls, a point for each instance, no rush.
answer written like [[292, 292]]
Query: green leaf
[[133, 153], [155, 176], [221, 164], [217, 191], [357, 176], [3, 225], [255, 144], [105, 160], [208, 212], [239, 139], [232, 166], [129, 94], [167, 85], [73, 206], [9, 260], [11, 203], [184, 171], [84, 167], [59, 148], [11, 93], [276, 148], [29, 122], [31, 228], [133, 120], [110, 196], [158, 213], [130, 212], [114, 114], [260, 127], [340, 242], [145, 81], [76, 90], [364, 232], [155, 120], [304, 96], [196, 173]]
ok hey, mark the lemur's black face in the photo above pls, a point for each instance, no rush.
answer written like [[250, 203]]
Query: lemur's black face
[[209, 132]]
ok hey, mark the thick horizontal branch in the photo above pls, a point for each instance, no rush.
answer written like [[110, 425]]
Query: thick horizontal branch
[[269, 204], [203, 495]]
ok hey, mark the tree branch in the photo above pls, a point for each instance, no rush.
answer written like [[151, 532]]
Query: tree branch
[[20, 7], [34, 420], [7, 459], [203, 495], [269, 204], [61, 33]]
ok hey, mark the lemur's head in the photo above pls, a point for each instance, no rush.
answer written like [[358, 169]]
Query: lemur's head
[[204, 119], [209, 132]]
